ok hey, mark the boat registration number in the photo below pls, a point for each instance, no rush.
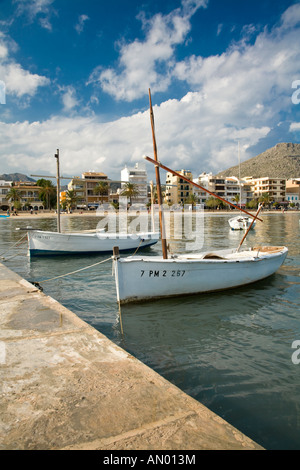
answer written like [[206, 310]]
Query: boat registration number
[[42, 237], [164, 273]]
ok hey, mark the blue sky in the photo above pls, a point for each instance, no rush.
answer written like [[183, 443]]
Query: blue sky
[[74, 75]]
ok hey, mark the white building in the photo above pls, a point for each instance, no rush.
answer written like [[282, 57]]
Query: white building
[[137, 176], [228, 188], [4, 188]]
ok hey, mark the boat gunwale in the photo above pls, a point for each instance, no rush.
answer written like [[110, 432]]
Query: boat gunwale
[[244, 256], [100, 235]]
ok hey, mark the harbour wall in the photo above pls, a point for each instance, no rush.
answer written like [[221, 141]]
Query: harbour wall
[[65, 386]]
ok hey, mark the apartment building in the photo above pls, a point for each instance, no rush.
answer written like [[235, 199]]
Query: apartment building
[[85, 189], [29, 195], [137, 176], [293, 190], [4, 188], [229, 188], [275, 187], [177, 189]]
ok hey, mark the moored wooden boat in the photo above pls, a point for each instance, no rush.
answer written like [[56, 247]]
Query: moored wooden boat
[[143, 278], [41, 243], [240, 223]]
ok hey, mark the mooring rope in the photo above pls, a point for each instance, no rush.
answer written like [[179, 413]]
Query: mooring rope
[[17, 244], [74, 272]]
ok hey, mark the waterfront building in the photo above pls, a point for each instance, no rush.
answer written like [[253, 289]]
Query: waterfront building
[[293, 191], [86, 186], [4, 188], [275, 187], [29, 195], [229, 188], [137, 176], [178, 190]]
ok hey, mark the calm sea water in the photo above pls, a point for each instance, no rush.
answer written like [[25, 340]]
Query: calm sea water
[[231, 351]]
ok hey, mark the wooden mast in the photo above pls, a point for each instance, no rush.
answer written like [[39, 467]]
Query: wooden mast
[[249, 228], [158, 185], [196, 185]]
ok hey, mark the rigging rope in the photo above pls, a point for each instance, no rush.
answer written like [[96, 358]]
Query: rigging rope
[[17, 244], [77, 271]]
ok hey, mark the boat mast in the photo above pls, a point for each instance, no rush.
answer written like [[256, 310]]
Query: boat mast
[[249, 228], [240, 174], [58, 191], [158, 185]]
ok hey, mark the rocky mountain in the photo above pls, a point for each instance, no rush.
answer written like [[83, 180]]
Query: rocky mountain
[[281, 161], [15, 177]]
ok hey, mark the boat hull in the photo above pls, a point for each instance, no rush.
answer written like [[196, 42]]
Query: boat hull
[[144, 278], [42, 243], [241, 223]]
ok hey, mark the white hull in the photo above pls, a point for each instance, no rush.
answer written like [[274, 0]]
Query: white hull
[[241, 223], [42, 243], [141, 278]]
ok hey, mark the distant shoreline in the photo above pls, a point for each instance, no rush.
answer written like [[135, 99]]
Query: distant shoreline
[[47, 215]]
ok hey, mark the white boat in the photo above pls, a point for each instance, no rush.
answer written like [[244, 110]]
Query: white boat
[[240, 223], [140, 278], [41, 243]]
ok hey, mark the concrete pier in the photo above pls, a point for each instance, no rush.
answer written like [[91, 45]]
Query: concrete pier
[[64, 385]]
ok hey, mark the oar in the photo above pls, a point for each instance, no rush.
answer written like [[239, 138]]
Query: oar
[[195, 184], [249, 228]]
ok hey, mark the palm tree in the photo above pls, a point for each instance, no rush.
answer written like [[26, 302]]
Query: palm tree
[[265, 199], [14, 196], [192, 199], [71, 198], [130, 190], [46, 191], [236, 199], [102, 189], [213, 202]]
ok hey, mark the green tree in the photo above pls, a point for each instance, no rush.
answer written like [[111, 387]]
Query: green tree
[[101, 189], [130, 190], [265, 199], [236, 199], [71, 199], [192, 199], [213, 202], [252, 204], [14, 197], [47, 193]]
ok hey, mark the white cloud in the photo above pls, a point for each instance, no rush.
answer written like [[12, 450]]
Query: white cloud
[[185, 138], [69, 98], [33, 9], [249, 83], [294, 127], [18, 81], [236, 96], [148, 63], [81, 21]]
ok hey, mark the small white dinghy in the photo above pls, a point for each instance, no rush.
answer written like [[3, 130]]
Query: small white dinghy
[[41, 243], [146, 278], [240, 223]]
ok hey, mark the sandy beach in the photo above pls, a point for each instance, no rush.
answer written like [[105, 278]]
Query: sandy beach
[[52, 214]]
